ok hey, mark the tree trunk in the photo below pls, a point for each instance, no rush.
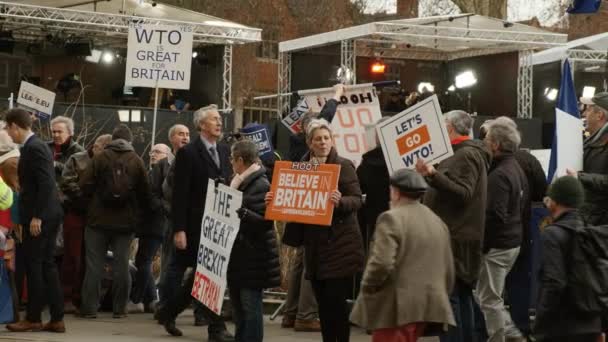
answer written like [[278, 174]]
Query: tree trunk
[[490, 8]]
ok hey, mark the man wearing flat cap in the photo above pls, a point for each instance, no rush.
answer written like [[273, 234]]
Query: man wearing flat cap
[[410, 271], [594, 176]]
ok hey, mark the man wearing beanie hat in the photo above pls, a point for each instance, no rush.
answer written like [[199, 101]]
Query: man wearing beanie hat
[[119, 193], [556, 318], [410, 273]]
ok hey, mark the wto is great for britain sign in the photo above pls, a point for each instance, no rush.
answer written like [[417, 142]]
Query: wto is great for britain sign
[[159, 56]]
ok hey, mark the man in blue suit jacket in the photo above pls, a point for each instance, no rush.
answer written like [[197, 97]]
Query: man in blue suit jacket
[[40, 213]]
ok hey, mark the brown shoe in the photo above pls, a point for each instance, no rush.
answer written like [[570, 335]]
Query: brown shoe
[[307, 325], [56, 327], [23, 326], [288, 321]]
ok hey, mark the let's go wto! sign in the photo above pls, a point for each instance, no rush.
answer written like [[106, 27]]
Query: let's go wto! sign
[[418, 132], [159, 56]]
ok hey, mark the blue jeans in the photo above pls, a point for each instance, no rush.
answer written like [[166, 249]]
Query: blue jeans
[[145, 288], [247, 314], [470, 325]]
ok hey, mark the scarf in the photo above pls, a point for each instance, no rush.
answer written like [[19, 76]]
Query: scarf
[[238, 179]]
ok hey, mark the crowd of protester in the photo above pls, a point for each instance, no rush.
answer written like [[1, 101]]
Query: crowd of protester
[[433, 246]]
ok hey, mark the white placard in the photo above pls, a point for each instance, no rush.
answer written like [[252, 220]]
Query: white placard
[[219, 229], [569, 135], [544, 157], [419, 132], [36, 98], [159, 56], [358, 107]]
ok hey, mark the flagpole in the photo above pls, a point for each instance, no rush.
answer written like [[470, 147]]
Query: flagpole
[[154, 116]]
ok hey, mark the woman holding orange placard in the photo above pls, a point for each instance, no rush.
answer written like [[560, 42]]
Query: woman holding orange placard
[[333, 254]]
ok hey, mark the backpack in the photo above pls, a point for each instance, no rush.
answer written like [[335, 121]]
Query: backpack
[[587, 268], [117, 188]]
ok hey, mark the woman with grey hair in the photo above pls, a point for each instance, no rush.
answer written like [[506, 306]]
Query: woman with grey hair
[[333, 254], [254, 262], [507, 195]]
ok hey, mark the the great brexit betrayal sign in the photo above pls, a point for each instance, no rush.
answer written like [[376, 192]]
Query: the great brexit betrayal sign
[[419, 132], [302, 192], [218, 231], [159, 56]]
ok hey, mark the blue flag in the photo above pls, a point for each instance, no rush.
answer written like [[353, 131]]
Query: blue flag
[[584, 6], [567, 103]]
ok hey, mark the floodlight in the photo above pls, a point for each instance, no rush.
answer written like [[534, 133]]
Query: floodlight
[[108, 57], [452, 88], [588, 92], [378, 67], [123, 115], [465, 80], [94, 57], [551, 94], [194, 54], [426, 85]]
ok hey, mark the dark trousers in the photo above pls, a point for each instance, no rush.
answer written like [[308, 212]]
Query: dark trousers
[[145, 289], [248, 314], [470, 325], [72, 267], [167, 286], [331, 297], [43, 285], [179, 296], [98, 241]]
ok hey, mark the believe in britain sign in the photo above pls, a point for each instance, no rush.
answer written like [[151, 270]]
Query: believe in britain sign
[[159, 56]]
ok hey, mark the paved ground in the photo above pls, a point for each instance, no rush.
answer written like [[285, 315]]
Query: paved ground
[[142, 328]]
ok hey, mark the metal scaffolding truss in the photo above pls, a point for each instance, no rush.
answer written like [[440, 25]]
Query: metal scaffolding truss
[[440, 38], [227, 78], [525, 85], [587, 55], [433, 36], [284, 82], [348, 58], [31, 22]]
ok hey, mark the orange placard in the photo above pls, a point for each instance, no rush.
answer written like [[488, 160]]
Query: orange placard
[[413, 140], [302, 192]]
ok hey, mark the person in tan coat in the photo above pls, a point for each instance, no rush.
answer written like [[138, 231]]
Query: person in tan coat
[[410, 271]]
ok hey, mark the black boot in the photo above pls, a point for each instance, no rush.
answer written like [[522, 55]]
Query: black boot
[[172, 329], [221, 336]]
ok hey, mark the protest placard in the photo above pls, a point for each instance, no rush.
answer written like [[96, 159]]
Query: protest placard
[[293, 119], [219, 229], [359, 106], [418, 132], [36, 98], [159, 56], [260, 135], [302, 192]]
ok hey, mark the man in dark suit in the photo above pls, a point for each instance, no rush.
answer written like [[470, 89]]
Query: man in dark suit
[[202, 159], [41, 214]]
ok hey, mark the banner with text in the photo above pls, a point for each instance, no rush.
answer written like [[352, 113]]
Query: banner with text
[[358, 107], [302, 192], [36, 98], [419, 132], [159, 56], [292, 120], [218, 231], [260, 135]]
